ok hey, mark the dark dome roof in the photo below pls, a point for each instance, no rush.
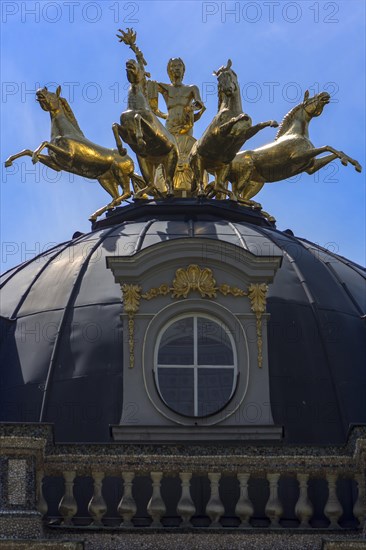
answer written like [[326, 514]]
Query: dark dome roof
[[60, 313]]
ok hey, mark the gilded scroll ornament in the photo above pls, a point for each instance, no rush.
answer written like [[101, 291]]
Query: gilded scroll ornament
[[131, 303], [257, 296], [161, 290], [193, 279]]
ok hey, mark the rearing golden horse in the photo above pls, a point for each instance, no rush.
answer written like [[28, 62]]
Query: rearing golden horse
[[70, 150], [288, 155]]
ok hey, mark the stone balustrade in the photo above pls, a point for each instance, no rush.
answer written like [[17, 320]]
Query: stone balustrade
[[166, 486], [214, 514]]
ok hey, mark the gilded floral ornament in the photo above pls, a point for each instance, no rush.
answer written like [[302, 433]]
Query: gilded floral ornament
[[233, 290], [131, 297], [193, 279], [131, 304], [162, 290], [257, 295]]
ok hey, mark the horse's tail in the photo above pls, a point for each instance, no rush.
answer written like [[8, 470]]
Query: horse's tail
[[137, 181]]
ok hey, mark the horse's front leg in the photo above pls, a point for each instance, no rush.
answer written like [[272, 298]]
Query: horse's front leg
[[170, 165], [44, 159], [198, 168], [257, 127], [317, 164], [51, 147], [139, 135], [221, 179], [116, 129], [37, 151], [226, 128], [345, 159], [25, 152]]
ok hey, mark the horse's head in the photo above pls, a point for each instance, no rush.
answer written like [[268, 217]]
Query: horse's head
[[227, 80], [134, 73], [314, 106], [49, 101]]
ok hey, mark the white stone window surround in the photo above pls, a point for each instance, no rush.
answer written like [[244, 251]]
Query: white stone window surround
[[218, 313], [248, 414]]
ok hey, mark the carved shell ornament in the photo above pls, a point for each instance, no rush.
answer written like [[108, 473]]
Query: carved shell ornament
[[194, 279]]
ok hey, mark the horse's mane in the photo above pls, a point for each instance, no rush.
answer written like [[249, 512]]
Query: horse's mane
[[70, 115], [287, 121], [220, 94]]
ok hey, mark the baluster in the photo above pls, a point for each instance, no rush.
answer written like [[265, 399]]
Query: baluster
[[333, 509], [359, 508], [97, 506], [273, 508], [215, 508], [156, 507], [304, 509], [244, 508], [68, 506], [42, 505], [127, 506], [185, 507]]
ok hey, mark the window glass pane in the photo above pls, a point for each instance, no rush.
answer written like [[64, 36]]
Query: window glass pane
[[176, 388], [214, 389], [176, 345], [214, 347]]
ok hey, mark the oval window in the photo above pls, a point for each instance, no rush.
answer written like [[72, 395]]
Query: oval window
[[195, 365]]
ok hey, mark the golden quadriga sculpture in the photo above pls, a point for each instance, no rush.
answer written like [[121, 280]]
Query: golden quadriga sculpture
[[172, 162]]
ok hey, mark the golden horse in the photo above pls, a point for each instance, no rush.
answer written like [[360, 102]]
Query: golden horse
[[288, 155], [70, 150], [222, 139]]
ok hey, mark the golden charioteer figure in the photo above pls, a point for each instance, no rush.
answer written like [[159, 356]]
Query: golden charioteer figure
[[172, 162], [185, 107]]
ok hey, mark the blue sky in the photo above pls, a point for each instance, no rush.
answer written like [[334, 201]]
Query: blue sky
[[278, 49]]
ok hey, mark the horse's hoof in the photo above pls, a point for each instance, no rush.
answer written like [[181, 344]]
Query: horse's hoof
[[35, 159], [140, 195], [122, 151], [8, 163], [358, 167], [274, 124]]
